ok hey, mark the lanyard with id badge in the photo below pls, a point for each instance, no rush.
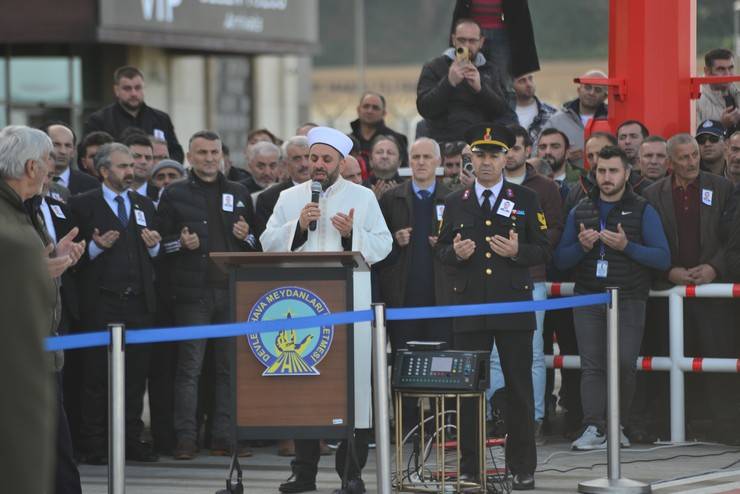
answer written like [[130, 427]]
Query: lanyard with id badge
[[602, 265]]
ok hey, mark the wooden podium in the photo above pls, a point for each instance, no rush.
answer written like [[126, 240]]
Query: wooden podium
[[269, 400]]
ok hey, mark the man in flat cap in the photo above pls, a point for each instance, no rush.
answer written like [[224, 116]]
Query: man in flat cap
[[347, 217], [491, 233]]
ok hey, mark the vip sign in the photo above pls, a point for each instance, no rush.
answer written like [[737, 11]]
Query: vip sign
[[159, 10]]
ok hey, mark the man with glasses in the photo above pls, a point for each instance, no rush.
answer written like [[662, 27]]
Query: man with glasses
[[572, 118], [711, 138], [461, 88]]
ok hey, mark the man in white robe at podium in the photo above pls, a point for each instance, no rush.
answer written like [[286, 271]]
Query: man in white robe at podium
[[348, 218]]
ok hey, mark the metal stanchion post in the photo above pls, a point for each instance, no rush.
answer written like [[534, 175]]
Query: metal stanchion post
[[676, 351], [380, 386], [614, 481], [116, 409]]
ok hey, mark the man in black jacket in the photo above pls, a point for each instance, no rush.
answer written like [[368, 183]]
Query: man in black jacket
[[203, 214], [492, 232], [370, 123], [129, 110], [509, 39], [64, 141], [458, 90], [117, 285]]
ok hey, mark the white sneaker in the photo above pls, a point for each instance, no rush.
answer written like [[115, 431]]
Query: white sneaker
[[589, 440], [623, 441]]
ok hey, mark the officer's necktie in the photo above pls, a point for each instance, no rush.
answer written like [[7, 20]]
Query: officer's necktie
[[122, 211], [487, 201], [424, 194]]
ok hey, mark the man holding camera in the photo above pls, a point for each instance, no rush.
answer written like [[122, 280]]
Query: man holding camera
[[461, 88]]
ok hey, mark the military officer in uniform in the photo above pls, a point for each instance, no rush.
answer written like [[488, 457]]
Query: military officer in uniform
[[491, 233]]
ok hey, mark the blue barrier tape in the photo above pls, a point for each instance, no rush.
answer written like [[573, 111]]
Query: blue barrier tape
[[492, 309], [139, 336]]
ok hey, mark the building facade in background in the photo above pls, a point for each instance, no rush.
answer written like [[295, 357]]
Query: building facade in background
[[219, 64]]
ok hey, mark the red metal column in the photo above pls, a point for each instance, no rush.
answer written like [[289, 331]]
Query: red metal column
[[652, 48]]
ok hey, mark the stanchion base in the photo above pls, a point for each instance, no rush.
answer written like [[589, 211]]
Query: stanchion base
[[621, 486]]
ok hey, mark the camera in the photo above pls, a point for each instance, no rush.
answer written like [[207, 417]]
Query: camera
[[467, 164], [462, 54]]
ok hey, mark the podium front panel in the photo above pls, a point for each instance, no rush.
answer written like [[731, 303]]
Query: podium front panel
[[272, 402]]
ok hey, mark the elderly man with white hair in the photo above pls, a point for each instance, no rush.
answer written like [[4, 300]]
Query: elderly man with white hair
[[294, 153], [571, 119], [29, 303], [263, 160]]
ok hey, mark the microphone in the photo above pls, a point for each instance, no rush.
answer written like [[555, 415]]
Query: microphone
[[316, 190]]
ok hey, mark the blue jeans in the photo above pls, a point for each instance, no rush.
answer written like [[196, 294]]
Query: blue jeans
[[538, 360]]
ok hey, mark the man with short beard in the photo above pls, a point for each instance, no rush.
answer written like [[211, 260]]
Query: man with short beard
[[613, 237], [456, 91], [64, 141], [129, 110], [595, 143], [348, 218], [295, 159], [653, 158], [385, 155], [116, 285]]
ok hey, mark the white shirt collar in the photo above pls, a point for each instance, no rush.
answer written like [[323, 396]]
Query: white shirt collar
[[64, 177], [142, 190], [496, 190], [48, 221]]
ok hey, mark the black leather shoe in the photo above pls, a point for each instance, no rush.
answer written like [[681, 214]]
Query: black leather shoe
[[141, 452], [298, 485], [523, 482], [354, 486]]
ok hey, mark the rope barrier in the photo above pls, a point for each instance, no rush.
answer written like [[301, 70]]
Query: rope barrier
[[140, 336]]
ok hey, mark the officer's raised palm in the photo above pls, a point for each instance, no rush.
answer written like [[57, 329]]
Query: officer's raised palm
[[463, 248], [505, 247]]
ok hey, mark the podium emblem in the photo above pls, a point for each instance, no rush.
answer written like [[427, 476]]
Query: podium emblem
[[290, 352]]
